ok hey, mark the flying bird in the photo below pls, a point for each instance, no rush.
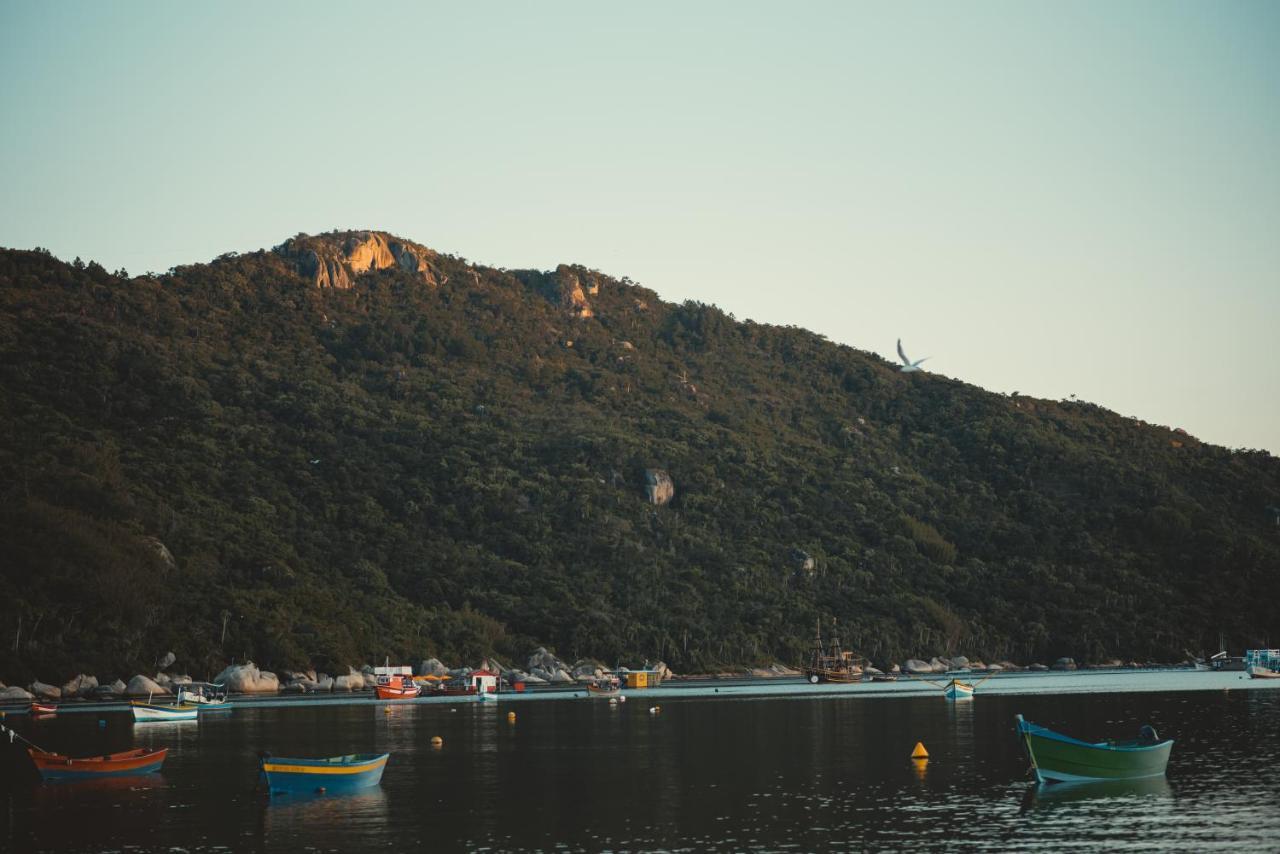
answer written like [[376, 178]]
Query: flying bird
[[907, 365]]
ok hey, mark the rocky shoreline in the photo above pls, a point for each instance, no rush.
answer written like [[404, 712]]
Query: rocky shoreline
[[542, 668]]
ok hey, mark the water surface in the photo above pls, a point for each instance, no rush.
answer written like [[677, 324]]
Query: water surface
[[772, 772]]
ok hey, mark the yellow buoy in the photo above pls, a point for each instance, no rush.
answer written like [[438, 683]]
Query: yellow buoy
[[919, 752], [511, 716], [437, 741], [386, 710]]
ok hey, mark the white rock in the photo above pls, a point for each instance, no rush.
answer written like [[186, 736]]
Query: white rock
[[142, 686]]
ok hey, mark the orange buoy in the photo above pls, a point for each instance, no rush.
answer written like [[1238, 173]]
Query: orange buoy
[[919, 752], [437, 741], [511, 717]]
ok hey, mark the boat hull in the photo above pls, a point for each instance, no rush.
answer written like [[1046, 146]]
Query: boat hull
[[150, 713], [1057, 758], [335, 774], [958, 692], [1259, 672], [54, 766], [816, 675]]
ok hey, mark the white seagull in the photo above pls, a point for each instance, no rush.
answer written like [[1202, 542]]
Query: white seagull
[[907, 365]]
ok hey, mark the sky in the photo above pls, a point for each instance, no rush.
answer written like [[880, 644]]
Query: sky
[[1057, 199]]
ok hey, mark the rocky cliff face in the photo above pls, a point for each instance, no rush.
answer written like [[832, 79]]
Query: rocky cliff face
[[568, 287], [335, 260]]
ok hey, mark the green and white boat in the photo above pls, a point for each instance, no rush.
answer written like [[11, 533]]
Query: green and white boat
[[1058, 758]]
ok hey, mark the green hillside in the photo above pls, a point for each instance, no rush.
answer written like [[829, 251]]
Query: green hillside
[[448, 459]]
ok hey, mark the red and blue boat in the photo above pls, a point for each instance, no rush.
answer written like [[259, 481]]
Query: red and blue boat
[[334, 774], [55, 766]]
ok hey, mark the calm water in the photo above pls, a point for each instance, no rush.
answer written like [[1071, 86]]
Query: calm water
[[769, 773]]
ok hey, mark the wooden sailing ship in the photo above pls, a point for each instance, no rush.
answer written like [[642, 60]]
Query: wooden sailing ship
[[830, 663]]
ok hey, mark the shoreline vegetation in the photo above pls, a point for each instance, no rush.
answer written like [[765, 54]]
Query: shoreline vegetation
[[542, 669], [302, 458]]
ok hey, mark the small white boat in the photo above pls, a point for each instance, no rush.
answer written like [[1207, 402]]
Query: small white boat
[[956, 691], [150, 712], [208, 696]]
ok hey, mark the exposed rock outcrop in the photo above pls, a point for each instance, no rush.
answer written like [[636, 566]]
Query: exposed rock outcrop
[[1065, 663], [540, 659], [13, 692], [659, 487], [352, 681], [430, 667], [335, 260], [166, 557], [142, 686], [107, 692], [587, 670], [45, 692], [567, 287], [571, 294], [168, 658], [248, 679]]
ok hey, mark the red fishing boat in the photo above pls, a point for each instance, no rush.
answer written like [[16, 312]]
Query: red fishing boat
[[396, 688], [44, 708], [55, 766]]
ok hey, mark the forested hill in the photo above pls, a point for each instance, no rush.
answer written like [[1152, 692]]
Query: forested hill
[[352, 447]]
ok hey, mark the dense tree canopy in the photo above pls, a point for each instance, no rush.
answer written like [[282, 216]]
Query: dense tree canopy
[[228, 462]]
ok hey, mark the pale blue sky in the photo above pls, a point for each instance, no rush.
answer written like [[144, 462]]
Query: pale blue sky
[[1075, 198]]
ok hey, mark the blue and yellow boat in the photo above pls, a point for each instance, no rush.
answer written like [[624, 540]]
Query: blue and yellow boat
[[334, 774], [1058, 758]]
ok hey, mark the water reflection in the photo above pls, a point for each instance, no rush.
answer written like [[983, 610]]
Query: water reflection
[[311, 818], [50, 792], [801, 773], [1054, 794]]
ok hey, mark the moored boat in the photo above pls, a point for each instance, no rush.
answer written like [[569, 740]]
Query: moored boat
[[55, 766], [832, 664], [151, 712], [1058, 758], [396, 687], [333, 774], [206, 696], [1262, 663], [603, 692], [957, 691], [44, 708]]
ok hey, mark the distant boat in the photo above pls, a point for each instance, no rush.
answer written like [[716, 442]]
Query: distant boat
[[603, 692], [957, 691], [334, 774], [831, 664], [55, 766], [1058, 758], [207, 696], [44, 709], [396, 688], [1262, 663], [151, 712]]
